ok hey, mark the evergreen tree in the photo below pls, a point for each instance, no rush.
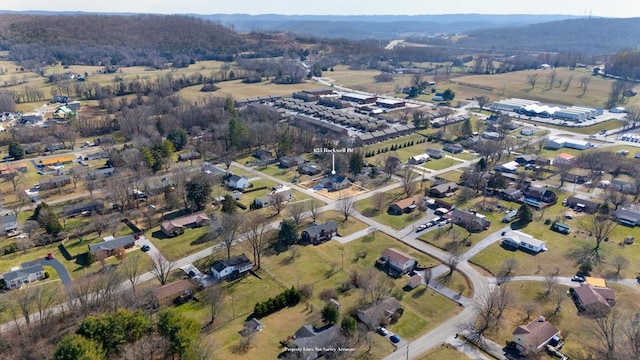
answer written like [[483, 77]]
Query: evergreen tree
[[466, 130], [288, 234], [525, 215], [178, 137], [228, 204], [355, 163], [16, 151], [330, 314]]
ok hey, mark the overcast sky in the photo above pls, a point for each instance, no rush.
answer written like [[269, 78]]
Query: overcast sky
[[608, 8]]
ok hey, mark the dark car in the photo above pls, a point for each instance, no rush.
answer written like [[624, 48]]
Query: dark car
[[394, 338], [145, 248], [382, 331], [577, 279]]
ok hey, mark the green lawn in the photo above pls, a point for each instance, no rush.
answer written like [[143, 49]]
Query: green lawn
[[587, 130], [444, 352], [396, 221], [439, 164], [173, 248]]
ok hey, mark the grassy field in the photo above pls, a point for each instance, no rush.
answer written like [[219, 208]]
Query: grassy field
[[345, 228], [587, 130], [239, 90], [439, 164], [514, 84], [174, 248], [364, 80]]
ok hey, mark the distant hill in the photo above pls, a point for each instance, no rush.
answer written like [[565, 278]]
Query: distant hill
[[382, 27], [149, 40], [590, 36]]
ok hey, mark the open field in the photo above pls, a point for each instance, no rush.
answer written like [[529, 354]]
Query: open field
[[587, 130], [239, 90], [514, 84], [366, 207], [444, 352], [364, 80], [439, 164], [174, 248]]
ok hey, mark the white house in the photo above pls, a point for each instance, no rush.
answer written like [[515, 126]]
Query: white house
[[8, 223], [418, 159], [555, 143], [268, 200], [231, 268], [509, 167], [17, 278], [237, 182], [525, 242]]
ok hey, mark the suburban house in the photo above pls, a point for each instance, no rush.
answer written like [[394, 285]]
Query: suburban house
[[534, 336], [580, 204], [309, 169], [526, 159], [17, 278], [315, 341], [561, 228], [555, 143], [318, 233], [168, 292], [263, 154], [443, 190], [453, 148], [524, 242], [88, 207], [252, 325], [628, 216], [418, 159], [563, 159], [593, 300], [623, 186], [289, 162], [237, 182], [396, 262], [54, 182], [109, 244], [539, 193], [379, 312], [272, 199], [189, 156], [435, 153], [231, 268], [470, 220], [103, 172], [7, 170], [335, 182], [177, 226], [405, 206], [510, 167], [97, 156], [512, 194], [8, 223]]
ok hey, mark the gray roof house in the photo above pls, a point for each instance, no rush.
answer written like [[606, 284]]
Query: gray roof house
[[17, 278], [231, 268], [317, 233], [8, 223], [435, 153], [315, 339], [375, 313], [629, 216], [309, 169], [470, 220], [108, 246]]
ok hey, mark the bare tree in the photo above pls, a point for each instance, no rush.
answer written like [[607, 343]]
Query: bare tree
[[452, 263], [532, 79], [607, 330], [600, 226], [132, 269], [551, 79], [76, 174], [408, 184], [214, 296], [297, 210], [428, 276], [550, 280], [314, 209], [229, 226], [90, 182], [584, 83], [376, 286], [23, 303], [279, 201], [14, 175], [482, 101], [378, 201], [564, 169], [255, 232], [345, 206], [161, 268], [390, 165], [489, 310], [616, 198], [509, 266], [620, 263], [22, 199], [529, 308], [631, 342]]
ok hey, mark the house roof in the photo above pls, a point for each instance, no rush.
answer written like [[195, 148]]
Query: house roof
[[539, 330], [468, 217], [527, 157], [444, 187], [376, 311], [565, 156], [253, 324], [181, 222], [235, 178], [314, 229], [591, 296], [77, 208], [20, 273], [173, 288], [311, 338], [8, 218], [405, 203], [55, 179], [577, 200], [397, 255], [109, 245], [628, 214], [236, 261]]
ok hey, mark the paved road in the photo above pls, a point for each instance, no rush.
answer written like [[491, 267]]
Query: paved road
[[56, 265]]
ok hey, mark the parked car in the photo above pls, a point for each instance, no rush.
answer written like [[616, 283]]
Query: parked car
[[382, 331], [394, 338], [145, 248], [421, 227], [49, 256], [577, 279]]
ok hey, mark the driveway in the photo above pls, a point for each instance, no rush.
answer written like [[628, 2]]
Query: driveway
[[56, 265]]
